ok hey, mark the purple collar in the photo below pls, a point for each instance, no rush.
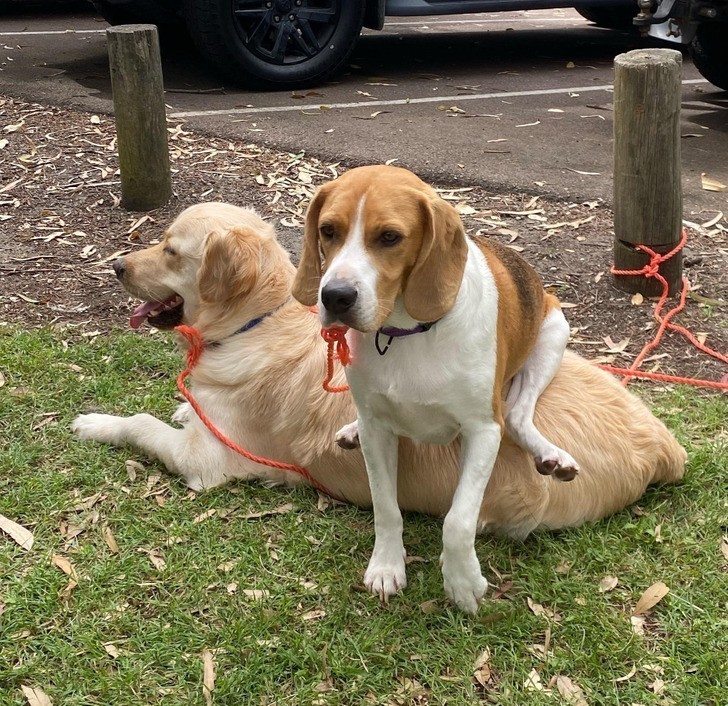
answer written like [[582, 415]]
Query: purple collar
[[392, 332]]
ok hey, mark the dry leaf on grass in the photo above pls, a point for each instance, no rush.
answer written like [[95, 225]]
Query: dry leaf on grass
[[204, 516], [157, 559], [638, 624], [608, 583], [256, 594], [281, 510], [627, 676], [314, 614], [429, 606], [208, 675], [571, 692], [64, 565], [110, 540], [132, 468], [481, 669], [538, 609], [36, 696], [533, 682], [111, 649], [22, 536], [650, 598]]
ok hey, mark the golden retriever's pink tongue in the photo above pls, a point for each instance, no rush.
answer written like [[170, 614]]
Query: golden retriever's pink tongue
[[139, 315]]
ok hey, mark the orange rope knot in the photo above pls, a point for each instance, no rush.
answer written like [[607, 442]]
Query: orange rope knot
[[335, 337], [651, 269]]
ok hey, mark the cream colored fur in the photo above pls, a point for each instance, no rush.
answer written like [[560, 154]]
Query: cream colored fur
[[263, 389]]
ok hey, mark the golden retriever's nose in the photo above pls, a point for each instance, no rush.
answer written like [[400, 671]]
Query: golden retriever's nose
[[119, 267], [338, 297]]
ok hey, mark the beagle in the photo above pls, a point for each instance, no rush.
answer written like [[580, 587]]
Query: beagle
[[450, 336]]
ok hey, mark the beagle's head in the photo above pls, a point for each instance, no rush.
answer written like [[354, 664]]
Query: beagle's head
[[374, 235]]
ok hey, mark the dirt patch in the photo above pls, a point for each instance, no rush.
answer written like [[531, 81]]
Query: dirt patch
[[61, 226]]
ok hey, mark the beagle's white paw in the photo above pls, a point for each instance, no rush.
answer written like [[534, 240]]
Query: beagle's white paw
[[386, 574], [348, 436], [558, 463], [464, 585]]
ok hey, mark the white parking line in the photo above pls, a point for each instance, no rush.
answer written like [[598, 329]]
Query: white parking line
[[52, 31], [402, 101], [531, 20]]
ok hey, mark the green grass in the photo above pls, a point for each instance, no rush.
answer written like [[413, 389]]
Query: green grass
[[275, 650]]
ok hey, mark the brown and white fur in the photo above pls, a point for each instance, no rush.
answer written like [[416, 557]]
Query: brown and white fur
[[263, 389], [396, 256]]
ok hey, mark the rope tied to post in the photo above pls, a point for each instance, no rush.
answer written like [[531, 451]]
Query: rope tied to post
[[651, 270]]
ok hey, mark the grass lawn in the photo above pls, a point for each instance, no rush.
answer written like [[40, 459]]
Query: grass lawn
[[159, 582]]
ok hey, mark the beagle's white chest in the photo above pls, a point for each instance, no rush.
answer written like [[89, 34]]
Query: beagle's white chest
[[432, 385]]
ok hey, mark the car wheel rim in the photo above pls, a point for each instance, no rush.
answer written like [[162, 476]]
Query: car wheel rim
[[286, 32]]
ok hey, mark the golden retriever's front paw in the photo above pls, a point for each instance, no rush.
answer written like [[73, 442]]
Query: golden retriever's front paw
[[104, 428], [183, 414]]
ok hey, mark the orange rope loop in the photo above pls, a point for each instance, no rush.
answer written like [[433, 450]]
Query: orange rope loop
[[197, 346], [651, 269]]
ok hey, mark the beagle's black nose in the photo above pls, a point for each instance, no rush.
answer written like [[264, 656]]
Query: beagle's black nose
[[119, 267], [338, 297]]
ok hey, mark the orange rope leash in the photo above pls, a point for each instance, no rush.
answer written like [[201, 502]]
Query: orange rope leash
[[197, 345], [335, 337], [651, 269]]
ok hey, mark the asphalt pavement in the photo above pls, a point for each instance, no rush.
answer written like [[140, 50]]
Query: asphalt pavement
[[519, 100]]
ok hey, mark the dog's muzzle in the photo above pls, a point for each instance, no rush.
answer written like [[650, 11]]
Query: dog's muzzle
[[338, 297]]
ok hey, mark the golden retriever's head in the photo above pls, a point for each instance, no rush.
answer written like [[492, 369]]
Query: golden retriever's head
[[374, 235], [212, 260]]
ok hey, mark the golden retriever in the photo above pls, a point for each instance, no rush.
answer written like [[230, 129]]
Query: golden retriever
[[220, 267]]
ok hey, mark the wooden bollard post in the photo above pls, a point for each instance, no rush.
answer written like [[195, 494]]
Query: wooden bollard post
[[141, 127], [647, 188]]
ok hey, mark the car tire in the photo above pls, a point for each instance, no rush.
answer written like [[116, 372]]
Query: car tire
[[614, 17], [278, 44], [709, 52]]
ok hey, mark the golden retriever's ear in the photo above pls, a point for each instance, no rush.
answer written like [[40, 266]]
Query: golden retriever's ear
[[230, 266], [308, 275], [434, 282]]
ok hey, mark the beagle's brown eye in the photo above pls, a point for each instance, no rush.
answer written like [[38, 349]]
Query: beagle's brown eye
[[389, 238], [327, 231]]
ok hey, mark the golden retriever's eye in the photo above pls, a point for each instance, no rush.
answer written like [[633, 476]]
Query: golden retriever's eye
[[327, 231], [169, 251], [389, 238]]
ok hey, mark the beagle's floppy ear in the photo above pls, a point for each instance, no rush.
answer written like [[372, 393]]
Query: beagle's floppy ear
[[434, 282], [308, 275], [230, 266]]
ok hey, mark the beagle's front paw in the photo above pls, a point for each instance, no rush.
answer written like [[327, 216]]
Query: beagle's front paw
[[465, 586], [386, 575], [348, 436], [557, 463]]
